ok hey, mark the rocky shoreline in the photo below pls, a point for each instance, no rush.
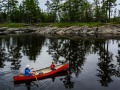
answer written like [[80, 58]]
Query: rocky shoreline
[[74, 30]]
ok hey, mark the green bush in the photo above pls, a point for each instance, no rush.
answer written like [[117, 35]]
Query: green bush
[[91, 24], [12, 25]]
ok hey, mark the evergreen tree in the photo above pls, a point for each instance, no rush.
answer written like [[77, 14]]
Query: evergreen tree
[[57, 10], [54, 8], [106, 8], [9, 7], [32, 10]]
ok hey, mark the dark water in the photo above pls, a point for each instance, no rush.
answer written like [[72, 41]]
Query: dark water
[[94, 63]]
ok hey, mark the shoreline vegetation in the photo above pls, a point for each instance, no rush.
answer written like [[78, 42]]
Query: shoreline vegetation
[[78, 29], [59, 25]]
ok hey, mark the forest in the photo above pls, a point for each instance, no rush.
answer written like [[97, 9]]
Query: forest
[[29, 11]]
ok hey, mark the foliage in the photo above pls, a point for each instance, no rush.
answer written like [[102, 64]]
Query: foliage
[[20, 25], [63, 24], [28, 11]]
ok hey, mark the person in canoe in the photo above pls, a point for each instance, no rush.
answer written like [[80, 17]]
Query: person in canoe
[[52, 66], [28, 71]]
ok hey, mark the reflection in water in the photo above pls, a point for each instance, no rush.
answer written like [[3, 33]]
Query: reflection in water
[[30, 84], [118, 62], [2, 53], [12, 49], [74, 51], [32, 46], [106, 68], [68, 82], [2, 57], [14, 56]]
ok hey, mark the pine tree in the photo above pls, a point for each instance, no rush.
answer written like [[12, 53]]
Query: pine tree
[[32, 10]]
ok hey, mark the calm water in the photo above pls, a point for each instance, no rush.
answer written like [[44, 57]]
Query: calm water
[[94, 63]]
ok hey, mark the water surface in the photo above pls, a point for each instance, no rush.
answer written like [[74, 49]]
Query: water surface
[[94, 63]]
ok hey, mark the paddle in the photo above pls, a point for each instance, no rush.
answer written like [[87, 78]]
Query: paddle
[[35, 75], [36, 78]]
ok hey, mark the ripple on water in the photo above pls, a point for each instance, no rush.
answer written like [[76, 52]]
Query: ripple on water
[[42, 84], [6, 80], [35, 85]]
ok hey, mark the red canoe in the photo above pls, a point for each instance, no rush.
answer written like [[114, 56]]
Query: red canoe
[[47, 72], [59, 74]]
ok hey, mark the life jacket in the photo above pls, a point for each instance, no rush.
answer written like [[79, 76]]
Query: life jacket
[[52, 66], [27, 72]]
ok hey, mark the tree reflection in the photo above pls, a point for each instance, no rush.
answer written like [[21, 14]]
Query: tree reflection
[[106, 68], [15, 57], [68, 83], [73, 51], [32, 46], [15, 46], [12, 52], [2, 57], [118, 62], [2, 53]]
